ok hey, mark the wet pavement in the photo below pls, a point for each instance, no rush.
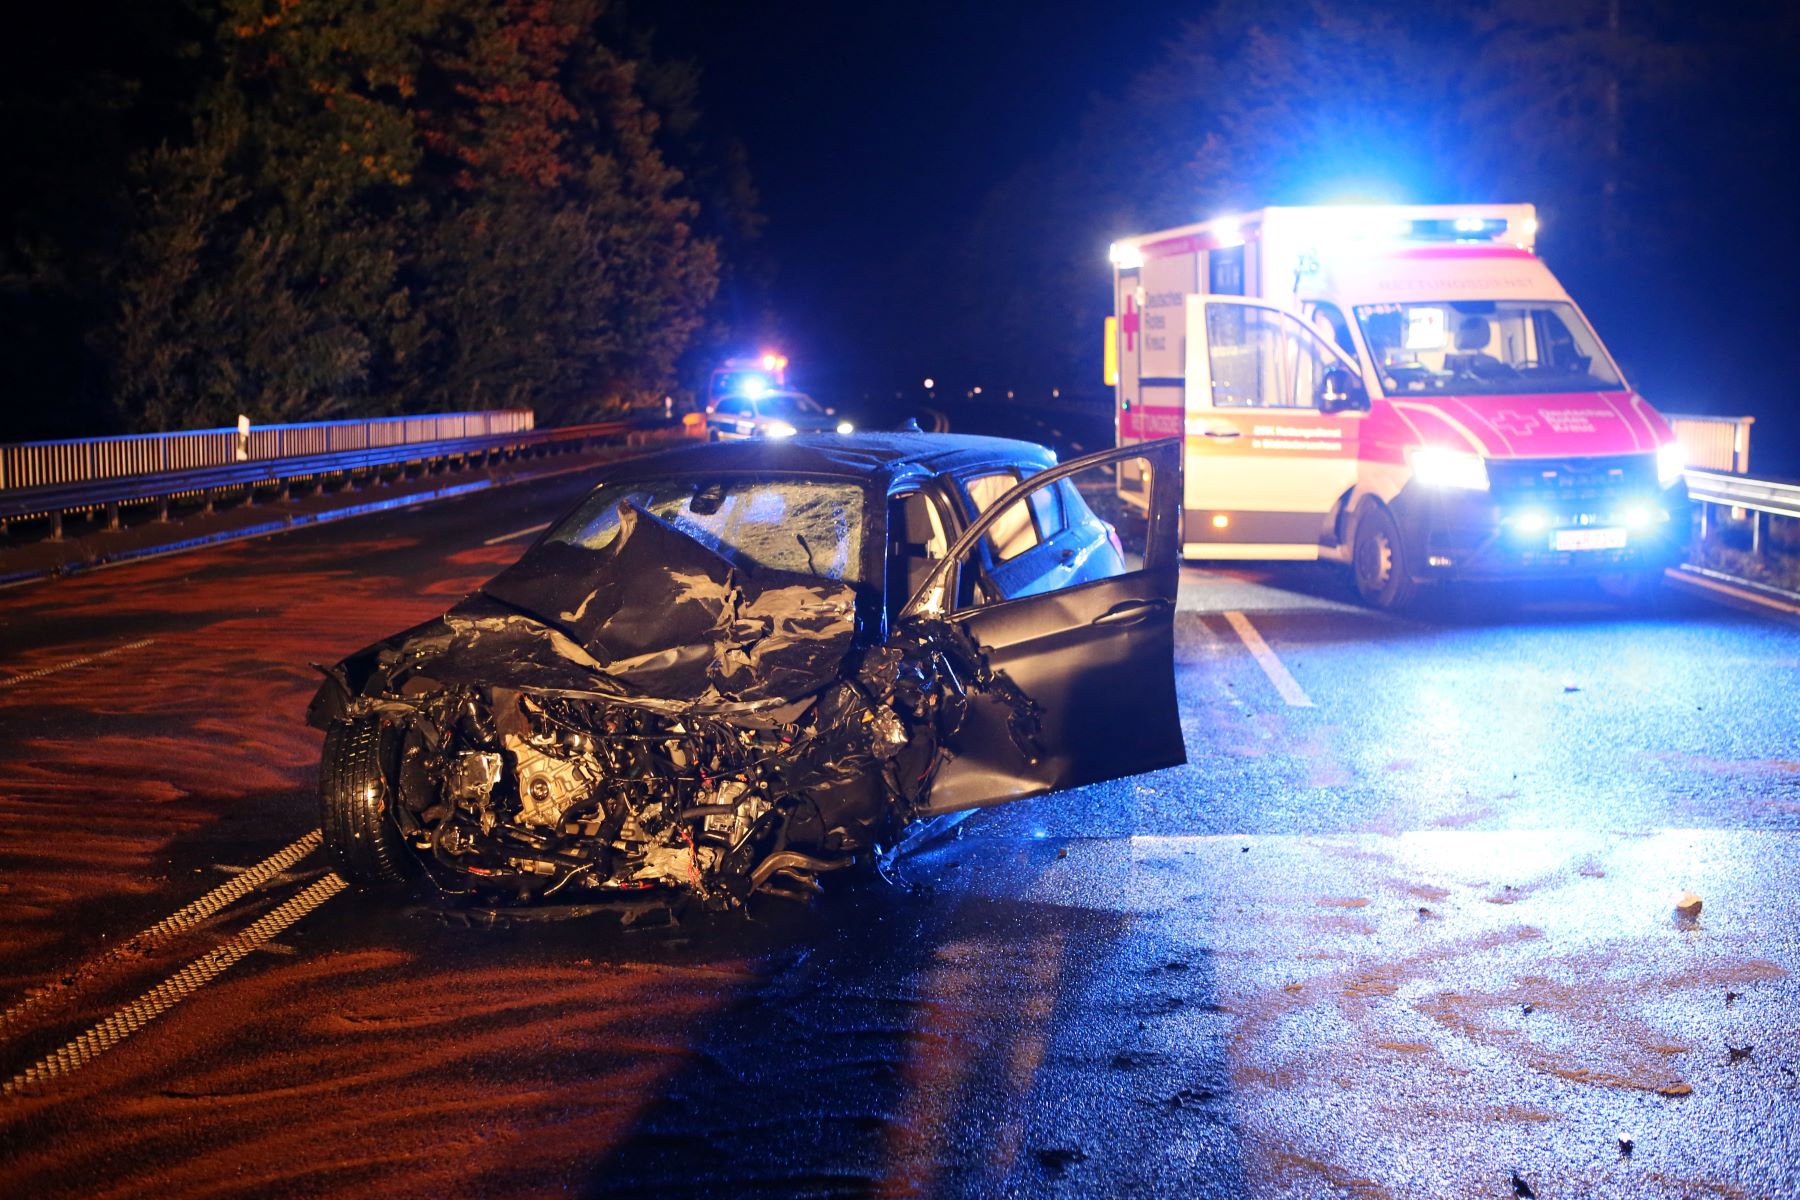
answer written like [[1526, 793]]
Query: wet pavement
[[1404, 926]]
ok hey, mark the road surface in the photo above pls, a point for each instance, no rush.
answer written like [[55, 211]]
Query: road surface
[[1404, 925]]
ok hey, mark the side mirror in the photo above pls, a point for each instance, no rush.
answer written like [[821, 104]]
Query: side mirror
[[1340, 391]]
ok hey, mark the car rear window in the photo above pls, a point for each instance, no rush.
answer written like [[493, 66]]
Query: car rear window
[[1014, 532]]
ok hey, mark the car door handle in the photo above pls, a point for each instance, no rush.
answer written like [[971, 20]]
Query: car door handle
[[1222, 433], [1131, 612]]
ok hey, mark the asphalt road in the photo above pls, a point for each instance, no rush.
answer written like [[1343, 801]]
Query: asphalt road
[[1403, 926]]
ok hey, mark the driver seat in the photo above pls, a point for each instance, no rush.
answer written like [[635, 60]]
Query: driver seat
[[1473, 335]]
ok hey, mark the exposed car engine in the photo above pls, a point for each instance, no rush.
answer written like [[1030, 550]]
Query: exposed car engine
[[513, 795]]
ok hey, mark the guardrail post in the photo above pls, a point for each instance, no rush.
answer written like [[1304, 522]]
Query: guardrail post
[[56, 526], [1756, 523], [112, 518]]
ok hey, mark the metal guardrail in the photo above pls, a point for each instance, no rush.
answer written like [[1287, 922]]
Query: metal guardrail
[[111, 494], [1776, 496], [79, 460], [1756, 497]]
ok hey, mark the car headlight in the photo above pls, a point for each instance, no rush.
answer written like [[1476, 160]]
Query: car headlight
[[1437, 467], [779, 429], [1671, 460], [846, 427]]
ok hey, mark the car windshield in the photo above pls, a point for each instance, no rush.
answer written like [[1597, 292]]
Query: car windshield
[[1491, 347], [788, 404], [807, 526]]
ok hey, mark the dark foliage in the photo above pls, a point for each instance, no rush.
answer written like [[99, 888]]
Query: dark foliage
[[337, 207]]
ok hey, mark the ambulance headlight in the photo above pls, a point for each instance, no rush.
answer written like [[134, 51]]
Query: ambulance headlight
[[1440, 468], [1671, 460], [780, 429]]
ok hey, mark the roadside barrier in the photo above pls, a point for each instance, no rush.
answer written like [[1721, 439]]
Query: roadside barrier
[[397, 443]]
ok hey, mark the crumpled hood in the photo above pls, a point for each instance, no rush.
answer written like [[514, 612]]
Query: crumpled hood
[[656, 618], [1537, 426]]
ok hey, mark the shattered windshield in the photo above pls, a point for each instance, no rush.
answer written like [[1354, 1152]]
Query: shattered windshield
[[1485, 347], [806, 526]]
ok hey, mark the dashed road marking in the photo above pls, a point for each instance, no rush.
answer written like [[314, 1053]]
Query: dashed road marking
[[1285, 683], [184, 919], [71, 664], [173, 990], [517, 533]]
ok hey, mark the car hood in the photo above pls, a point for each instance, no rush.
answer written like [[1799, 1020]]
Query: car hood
[[1537, 426], [654, 619]]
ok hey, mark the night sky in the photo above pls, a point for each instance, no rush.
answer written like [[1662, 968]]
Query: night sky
[[874, 133]]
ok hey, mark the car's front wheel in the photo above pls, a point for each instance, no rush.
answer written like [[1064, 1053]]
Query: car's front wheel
[[354, 794]]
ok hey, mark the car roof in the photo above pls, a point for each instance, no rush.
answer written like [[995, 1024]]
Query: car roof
[[855, 455]]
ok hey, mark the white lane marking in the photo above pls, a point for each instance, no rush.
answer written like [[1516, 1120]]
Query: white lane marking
[[517, 533], [1265, 658], [71, 664], [173, 990], [1726, 589], [185, 918]]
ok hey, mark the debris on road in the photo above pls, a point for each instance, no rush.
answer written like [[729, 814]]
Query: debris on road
[[1522, 1189], [1688, 905], [1675, 1089], [1057, 1160], [1738, 1053], [1190, 1097], [1626, 1145]]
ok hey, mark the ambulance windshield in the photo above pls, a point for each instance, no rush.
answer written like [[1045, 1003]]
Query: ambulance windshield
[[1485, 347]]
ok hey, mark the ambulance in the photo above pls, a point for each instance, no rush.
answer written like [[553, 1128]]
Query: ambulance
[[1403, 389]]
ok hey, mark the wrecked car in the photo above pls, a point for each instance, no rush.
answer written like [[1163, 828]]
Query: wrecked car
[[733, 668]]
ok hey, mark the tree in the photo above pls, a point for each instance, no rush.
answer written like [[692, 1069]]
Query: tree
[[390, 205]]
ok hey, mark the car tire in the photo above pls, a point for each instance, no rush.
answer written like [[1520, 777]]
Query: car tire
[[354, 794], [1378, 560]]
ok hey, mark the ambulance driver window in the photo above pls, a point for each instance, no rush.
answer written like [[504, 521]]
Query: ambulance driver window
[[1307, 359], [1244, 348]]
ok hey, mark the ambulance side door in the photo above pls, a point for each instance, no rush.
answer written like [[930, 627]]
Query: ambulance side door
[[1274, 412]]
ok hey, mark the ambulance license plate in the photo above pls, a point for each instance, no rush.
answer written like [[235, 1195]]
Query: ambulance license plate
[[1588, 539]]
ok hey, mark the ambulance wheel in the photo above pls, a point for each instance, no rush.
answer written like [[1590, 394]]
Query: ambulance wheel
[[354, 794], [1378, 560]]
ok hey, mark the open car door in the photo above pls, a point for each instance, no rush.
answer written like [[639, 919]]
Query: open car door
[[1088, 639]]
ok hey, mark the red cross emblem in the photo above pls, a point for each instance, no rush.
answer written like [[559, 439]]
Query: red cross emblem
[[1517, 424], [1129, 326]]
